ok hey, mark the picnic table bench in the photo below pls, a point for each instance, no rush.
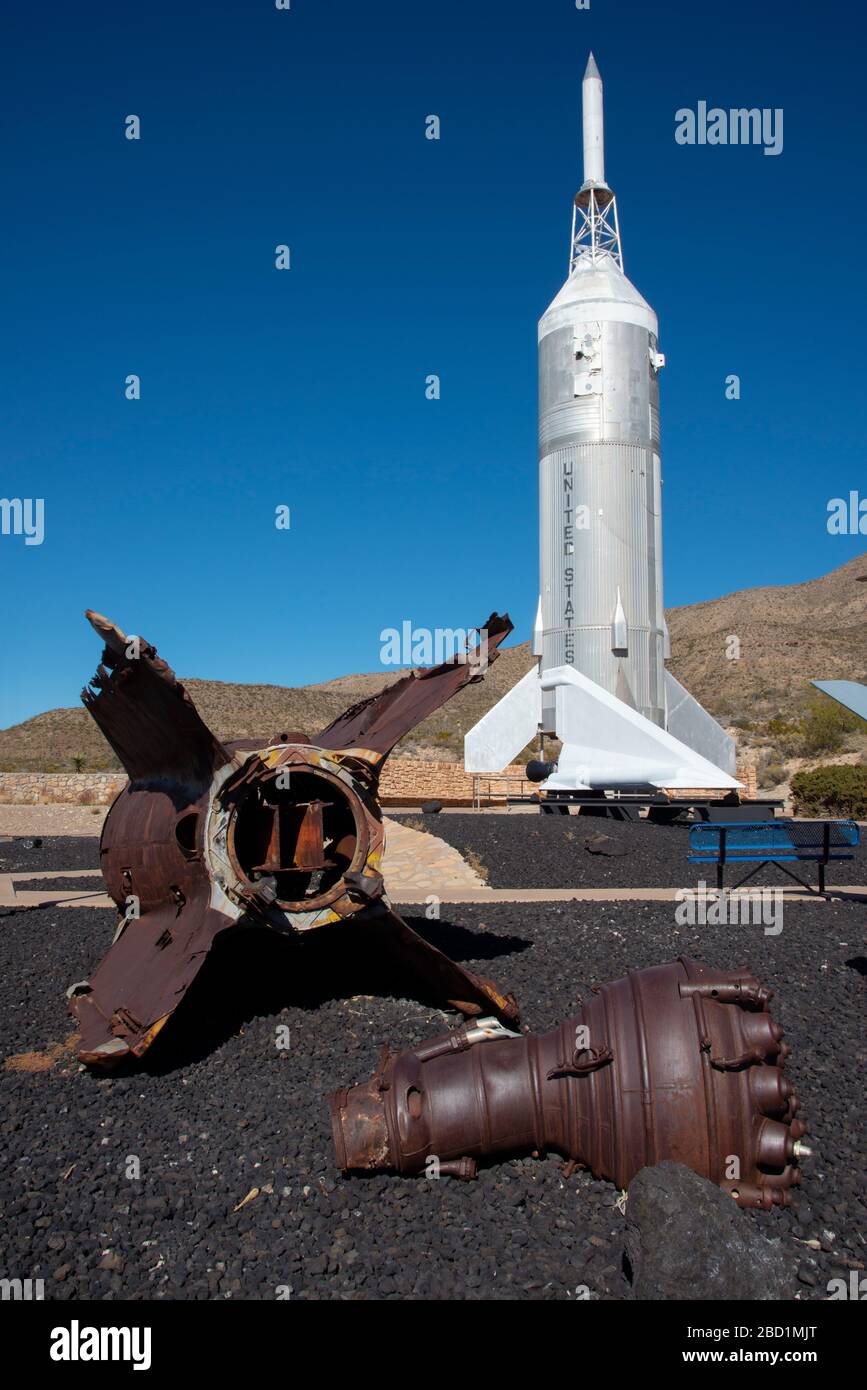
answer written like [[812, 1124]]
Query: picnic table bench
[[773, 842]]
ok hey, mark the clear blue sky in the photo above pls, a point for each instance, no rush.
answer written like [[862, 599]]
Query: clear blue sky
[[409, 257]]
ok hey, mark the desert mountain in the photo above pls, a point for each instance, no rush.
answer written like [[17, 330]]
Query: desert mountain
[[786, 636]]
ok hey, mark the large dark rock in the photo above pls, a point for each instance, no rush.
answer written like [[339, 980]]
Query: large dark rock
[[687, 1239]]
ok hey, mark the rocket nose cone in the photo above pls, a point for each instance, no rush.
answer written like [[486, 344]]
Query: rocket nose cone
[[592, 70]]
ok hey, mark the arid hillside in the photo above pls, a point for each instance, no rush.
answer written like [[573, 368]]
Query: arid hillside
[[785, 636]]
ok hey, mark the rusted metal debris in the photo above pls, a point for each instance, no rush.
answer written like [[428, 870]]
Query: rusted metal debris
[[678, 1061], [281, 831]]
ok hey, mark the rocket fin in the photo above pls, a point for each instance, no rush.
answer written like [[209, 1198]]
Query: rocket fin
[[688, 721], [608, 745], [500, 734]]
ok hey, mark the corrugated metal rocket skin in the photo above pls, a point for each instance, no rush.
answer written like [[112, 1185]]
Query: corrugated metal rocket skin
[[599, 465]]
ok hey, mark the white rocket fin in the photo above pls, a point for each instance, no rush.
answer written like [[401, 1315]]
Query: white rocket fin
[[500, 734], [608, 745], [689, 722]]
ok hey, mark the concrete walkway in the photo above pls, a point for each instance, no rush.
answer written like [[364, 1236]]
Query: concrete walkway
[[15, 893], [416, 866], [415, 888], [51, 819]]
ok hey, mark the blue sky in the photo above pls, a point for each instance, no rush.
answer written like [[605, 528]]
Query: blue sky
[[306, 387]]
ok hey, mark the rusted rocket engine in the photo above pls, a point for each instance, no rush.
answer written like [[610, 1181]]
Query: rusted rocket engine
[[281, 831], [678, 1061]]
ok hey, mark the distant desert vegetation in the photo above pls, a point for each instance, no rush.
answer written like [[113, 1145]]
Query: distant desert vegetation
[[786, 637]]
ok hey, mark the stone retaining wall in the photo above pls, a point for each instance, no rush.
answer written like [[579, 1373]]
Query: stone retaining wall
[[410, 781], [405, 782], [70, 788]]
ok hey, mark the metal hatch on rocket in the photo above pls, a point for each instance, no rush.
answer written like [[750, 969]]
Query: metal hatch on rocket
[[600, 635]]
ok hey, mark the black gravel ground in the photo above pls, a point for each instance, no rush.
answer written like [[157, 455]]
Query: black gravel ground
[[536, 851], [219, 1110], [63, 887], [20, 854]]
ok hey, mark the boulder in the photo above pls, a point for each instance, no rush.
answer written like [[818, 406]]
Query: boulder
[[687, 1239]]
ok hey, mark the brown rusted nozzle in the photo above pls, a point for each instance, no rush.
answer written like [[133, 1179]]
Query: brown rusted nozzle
[[677, 1061]]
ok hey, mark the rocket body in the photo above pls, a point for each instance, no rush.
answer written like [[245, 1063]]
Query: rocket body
[[600, 486], [600, 634]]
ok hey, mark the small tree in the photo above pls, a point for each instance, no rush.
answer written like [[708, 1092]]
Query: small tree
[[78, 762]]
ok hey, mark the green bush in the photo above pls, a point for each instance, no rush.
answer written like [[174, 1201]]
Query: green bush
[[835, 790], [778, 727], [773, 775], [825, 726]]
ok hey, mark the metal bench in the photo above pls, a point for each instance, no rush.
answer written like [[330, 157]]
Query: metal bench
[[773, 842]]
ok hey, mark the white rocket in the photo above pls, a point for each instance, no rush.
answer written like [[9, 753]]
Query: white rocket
[[600, 634]]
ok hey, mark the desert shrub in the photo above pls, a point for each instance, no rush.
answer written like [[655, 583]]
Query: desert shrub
[[413, 823], [773, 775], [77, 762], [838, 789], [825, 726], [778, 727], [476, 864]]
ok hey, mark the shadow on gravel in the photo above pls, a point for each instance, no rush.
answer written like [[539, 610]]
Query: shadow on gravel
[[252, 973], [462, 944]]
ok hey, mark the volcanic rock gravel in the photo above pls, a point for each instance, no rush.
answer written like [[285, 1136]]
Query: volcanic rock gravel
[[26, 855], [547, 851], [126, 1186], [64, 887]]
